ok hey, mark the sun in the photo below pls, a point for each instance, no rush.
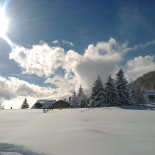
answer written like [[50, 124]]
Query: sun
[[4, 23]]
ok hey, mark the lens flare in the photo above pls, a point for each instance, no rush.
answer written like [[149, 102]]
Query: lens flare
[[4, 23]]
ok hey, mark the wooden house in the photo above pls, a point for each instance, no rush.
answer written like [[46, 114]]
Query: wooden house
[[51, 104], [60, 104]]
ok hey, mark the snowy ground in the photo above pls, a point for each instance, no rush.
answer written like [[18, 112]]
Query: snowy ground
[[105, 131]]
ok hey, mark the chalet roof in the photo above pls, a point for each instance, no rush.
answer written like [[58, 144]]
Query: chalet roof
[[48, 103], [45, 103]]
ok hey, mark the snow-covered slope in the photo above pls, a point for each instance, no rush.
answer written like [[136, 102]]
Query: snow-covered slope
[[104, 131]]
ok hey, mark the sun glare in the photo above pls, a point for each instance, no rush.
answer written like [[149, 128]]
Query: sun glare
[[3, 23]]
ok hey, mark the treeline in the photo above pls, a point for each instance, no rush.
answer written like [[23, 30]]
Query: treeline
[[115, 92]]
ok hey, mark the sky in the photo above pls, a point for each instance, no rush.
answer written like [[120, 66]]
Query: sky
[[54, 46]]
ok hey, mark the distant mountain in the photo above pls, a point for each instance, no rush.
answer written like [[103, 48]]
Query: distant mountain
[[147, 81]]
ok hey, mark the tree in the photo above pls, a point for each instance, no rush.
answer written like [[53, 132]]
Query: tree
[[131, 94], [25, 105], [123, 90], [97, 95], [139, 97], [111, 93], [81, 98], [73, 100]]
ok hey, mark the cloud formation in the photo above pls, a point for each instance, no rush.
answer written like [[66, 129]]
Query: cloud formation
[[67, 70], [16, 90], [13, 87], [43, 60], [55, 42], [63, 42], [69, 43], [139, 66]]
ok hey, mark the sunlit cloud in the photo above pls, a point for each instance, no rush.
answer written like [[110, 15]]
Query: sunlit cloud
[[67, 70], [16, 89], [139, 66], [45, 61], [103, 58]]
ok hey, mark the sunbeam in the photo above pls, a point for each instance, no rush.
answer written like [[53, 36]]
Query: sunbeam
[[4, 23]]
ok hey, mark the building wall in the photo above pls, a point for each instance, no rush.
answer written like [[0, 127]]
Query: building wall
[[60, 104]]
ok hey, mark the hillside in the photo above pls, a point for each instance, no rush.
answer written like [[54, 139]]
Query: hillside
[[147, 81]]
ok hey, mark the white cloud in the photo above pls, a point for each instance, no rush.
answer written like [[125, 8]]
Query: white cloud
[[68, 69], [41, 60], [108, 49], [102, 58], [61, 83], [15, 90], [55, 42], [141, 46], [139, 66], [69, 43], [13, 87], [63, 42]]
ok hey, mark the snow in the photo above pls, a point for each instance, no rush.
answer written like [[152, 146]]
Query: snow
[[99, 131]]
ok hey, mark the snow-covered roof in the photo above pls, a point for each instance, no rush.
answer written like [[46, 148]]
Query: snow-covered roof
[[149, 92], [46, 103]]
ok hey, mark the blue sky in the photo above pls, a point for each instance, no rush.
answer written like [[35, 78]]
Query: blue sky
[[82, 22], [95, 30]]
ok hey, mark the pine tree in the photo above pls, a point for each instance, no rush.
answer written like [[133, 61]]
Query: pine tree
[[122, 86], [97, 96], [81, 99], [131, 94], [111, 93], [139, 97], [25, 105], [73, 100]]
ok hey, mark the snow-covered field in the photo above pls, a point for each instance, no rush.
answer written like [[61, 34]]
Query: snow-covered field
[[104, 131]]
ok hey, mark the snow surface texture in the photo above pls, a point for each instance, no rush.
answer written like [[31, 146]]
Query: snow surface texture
[[100, 131]]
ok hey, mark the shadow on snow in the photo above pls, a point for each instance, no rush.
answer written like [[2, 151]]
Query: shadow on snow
[[11, 149], [141, 107]]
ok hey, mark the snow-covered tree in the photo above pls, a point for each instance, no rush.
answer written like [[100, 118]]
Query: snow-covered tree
[[25, 104], [111, 93], [81, 98], [131, 94], [97, 95], [123, 90], [139, 97], [73, 100]]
